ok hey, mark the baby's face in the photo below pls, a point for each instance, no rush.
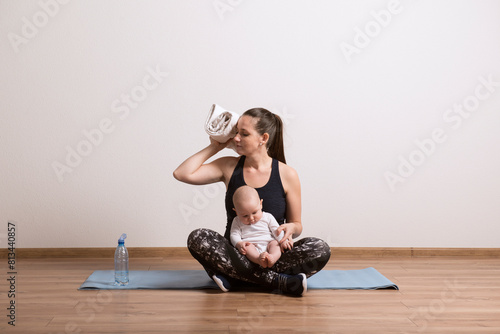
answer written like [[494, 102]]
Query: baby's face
[[249, 212]]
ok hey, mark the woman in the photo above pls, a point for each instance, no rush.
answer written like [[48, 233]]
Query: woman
[[261, 165]]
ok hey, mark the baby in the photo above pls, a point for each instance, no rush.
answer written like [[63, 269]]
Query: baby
[[253, 231]]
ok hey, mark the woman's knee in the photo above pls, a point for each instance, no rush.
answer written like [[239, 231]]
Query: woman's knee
[[324, 248], [315, 245], [320, 254], [196, 236], [202, 237]]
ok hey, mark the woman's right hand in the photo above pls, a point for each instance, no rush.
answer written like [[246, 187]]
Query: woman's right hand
[[221, 146]]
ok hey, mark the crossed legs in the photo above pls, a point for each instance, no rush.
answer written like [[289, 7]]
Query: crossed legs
[[218, 256]]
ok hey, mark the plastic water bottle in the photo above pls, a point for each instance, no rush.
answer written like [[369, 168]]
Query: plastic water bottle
[[121, 262]]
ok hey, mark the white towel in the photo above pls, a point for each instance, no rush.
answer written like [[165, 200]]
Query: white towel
[[221, 123]]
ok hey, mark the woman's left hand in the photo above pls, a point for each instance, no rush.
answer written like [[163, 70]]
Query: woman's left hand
[[287, 241], [286, 244]]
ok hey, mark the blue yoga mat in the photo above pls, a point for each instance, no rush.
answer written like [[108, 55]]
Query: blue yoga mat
[[368, 278]]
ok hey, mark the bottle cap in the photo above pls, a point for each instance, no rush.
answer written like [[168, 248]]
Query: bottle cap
[[122, 238]]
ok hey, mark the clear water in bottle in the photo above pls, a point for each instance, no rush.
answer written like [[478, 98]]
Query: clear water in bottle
[[121, 262]]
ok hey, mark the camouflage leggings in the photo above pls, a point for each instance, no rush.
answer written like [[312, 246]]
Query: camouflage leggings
[[218, 256]]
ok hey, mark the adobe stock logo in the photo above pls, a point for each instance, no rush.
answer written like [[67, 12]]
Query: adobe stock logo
[[373, 28], [223, 6], [454, 116], [30, 28], [94, 137], [201, 200]]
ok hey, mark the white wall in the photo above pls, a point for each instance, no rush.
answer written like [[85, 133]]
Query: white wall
[[353, 106]]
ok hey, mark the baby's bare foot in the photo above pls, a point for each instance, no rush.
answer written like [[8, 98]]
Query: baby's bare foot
[[271, 260], [263, 260]]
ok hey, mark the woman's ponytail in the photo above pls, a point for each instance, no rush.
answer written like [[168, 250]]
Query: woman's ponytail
[[276, 147]]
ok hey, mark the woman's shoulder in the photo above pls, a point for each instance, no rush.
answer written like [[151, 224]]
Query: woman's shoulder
[[228, 159], [289, 178], [287, 172], [227, 166], [229, 162]]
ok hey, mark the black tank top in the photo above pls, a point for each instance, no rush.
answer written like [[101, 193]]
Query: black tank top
[[272, 193]]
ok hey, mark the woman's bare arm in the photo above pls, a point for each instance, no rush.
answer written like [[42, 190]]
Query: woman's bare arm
[[291, 183], [194, 170]]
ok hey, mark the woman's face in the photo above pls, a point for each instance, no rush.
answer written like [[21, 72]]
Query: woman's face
[[247, 139]]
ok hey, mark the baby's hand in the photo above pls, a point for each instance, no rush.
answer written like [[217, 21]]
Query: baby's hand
[[242, 247]]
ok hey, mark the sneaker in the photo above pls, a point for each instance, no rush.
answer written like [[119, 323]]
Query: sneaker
[[295, 285], [222, 282]]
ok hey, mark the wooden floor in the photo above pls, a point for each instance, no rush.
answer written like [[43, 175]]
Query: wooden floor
[[437, 295]]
